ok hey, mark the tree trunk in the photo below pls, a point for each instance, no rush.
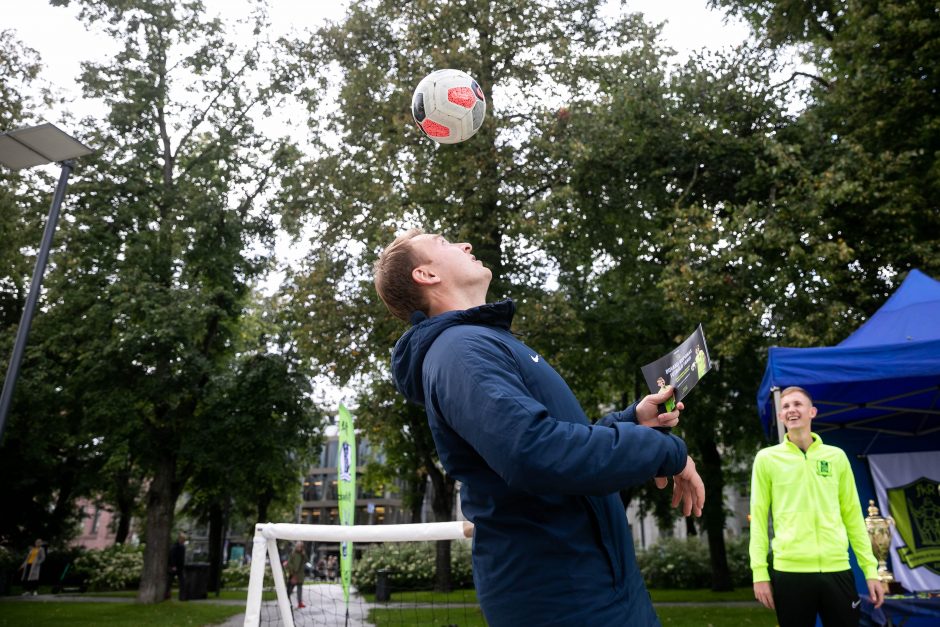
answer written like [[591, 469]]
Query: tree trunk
[[216, 538], [126, 498], [161, 502], [714, 516], [123, 526], [264, 501], [63, 512], [416, 492], [443, 506]]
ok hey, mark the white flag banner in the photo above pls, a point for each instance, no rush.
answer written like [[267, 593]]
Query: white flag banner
[[907, 486]]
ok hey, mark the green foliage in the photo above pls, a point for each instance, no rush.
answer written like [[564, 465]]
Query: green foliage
[[117, 567], [411, 565], [673, 563], [237, 576], [685, 564]]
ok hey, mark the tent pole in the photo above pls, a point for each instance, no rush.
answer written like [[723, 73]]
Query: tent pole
[[781, 430]]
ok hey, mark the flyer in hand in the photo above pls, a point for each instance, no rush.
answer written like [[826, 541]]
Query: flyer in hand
[[681, 368]]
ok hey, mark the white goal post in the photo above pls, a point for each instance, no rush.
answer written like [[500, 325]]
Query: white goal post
[[267, 535]]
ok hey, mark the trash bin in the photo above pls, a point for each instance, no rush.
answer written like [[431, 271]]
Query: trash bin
[[383, 591], [195, 582]]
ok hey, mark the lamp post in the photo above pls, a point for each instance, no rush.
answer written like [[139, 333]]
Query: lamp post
[[25, 148]]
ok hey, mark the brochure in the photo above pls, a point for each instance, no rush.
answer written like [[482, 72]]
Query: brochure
[[681, 368]]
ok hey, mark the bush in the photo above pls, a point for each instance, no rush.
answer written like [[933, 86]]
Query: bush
[[412, 565], [117, 567], [739, 561], [674, 563], [237, 576], [685, 564]]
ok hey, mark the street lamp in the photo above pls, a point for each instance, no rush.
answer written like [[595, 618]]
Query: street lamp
[[25, 148]]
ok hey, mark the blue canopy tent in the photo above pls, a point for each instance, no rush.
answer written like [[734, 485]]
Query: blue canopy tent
[[880, 387], [878, 391]]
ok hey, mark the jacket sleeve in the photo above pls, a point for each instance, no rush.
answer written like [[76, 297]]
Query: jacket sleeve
[[760, 508], [476, 386], [627, 415], [854, 521]]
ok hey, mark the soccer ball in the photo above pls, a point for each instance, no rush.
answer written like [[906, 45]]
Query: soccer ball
[[448, 106]]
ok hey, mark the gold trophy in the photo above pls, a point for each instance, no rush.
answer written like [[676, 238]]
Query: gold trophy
[[879, 532]]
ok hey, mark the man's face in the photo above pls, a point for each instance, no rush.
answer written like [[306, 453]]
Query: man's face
[[796, 410], [452, 262]]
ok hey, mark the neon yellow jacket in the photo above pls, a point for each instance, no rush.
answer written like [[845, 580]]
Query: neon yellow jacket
[[816, 511]]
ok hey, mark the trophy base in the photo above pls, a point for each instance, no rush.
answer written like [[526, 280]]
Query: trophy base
[[893, 587]]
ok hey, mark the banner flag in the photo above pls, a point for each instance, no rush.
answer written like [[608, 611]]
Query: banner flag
[[346, 484], [907, 485]]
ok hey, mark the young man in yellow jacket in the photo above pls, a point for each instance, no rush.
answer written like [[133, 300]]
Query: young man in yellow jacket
[[809, 489]]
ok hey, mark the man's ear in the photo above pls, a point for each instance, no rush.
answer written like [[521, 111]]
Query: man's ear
[[423, 275]]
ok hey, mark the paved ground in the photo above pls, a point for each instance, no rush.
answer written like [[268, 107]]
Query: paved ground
[[324, 608]]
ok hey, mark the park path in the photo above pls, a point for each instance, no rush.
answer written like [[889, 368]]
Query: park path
[[324, 608]]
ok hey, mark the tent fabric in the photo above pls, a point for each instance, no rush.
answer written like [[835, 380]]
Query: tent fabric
[[885, 377]]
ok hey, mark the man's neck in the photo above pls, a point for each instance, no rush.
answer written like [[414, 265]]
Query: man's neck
[[455, 302], [803, 438]]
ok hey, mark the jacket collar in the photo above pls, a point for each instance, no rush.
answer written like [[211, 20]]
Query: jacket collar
[[817, 442]]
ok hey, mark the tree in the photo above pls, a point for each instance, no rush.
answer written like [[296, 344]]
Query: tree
[[166, 216], [383, 174], [868, 141], [659, 162], [39, 458], [257, 409]]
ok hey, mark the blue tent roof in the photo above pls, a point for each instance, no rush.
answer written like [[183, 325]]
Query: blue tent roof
[[884, 377]]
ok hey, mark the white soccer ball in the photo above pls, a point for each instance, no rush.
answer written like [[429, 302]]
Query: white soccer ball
[[448, 106]]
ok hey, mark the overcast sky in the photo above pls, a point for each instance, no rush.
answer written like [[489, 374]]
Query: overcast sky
[[57, 35], [63, 43]]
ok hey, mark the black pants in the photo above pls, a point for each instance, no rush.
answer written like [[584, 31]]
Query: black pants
[[798, 597]]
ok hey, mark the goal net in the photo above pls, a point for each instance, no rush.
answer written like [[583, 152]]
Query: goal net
[[394, 571]]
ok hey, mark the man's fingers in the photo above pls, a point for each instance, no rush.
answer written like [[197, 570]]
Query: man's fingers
[[764, 594], [670, 419], [658, 398], [689, 490], [661, 482]]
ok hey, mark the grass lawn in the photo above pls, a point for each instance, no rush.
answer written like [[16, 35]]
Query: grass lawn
[[669, 616], [463, 616], [468, 595], [716, 616], [169, 614], [701, 595], [228, 595]]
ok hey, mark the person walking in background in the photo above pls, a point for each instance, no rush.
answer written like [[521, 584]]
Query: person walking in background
[[31, 567], [332, 565], [809, 489], [294, 566], [551, 542], [177, 566]]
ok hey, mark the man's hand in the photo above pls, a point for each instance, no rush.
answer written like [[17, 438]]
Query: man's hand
[[687, 489], [876, 591], [764, 594], [647, 410]]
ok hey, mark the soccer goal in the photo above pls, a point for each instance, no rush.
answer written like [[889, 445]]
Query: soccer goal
[[393, 562]]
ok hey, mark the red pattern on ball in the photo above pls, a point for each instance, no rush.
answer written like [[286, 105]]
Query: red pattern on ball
[[434, 129], [462, 96]]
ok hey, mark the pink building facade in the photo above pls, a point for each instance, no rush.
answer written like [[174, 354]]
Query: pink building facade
[[97, 531]]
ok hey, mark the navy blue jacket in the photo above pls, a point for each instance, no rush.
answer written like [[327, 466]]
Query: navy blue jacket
[[551, 542]]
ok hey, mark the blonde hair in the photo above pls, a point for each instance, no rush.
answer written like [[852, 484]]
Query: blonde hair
[[392, 277], [796, 388]]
